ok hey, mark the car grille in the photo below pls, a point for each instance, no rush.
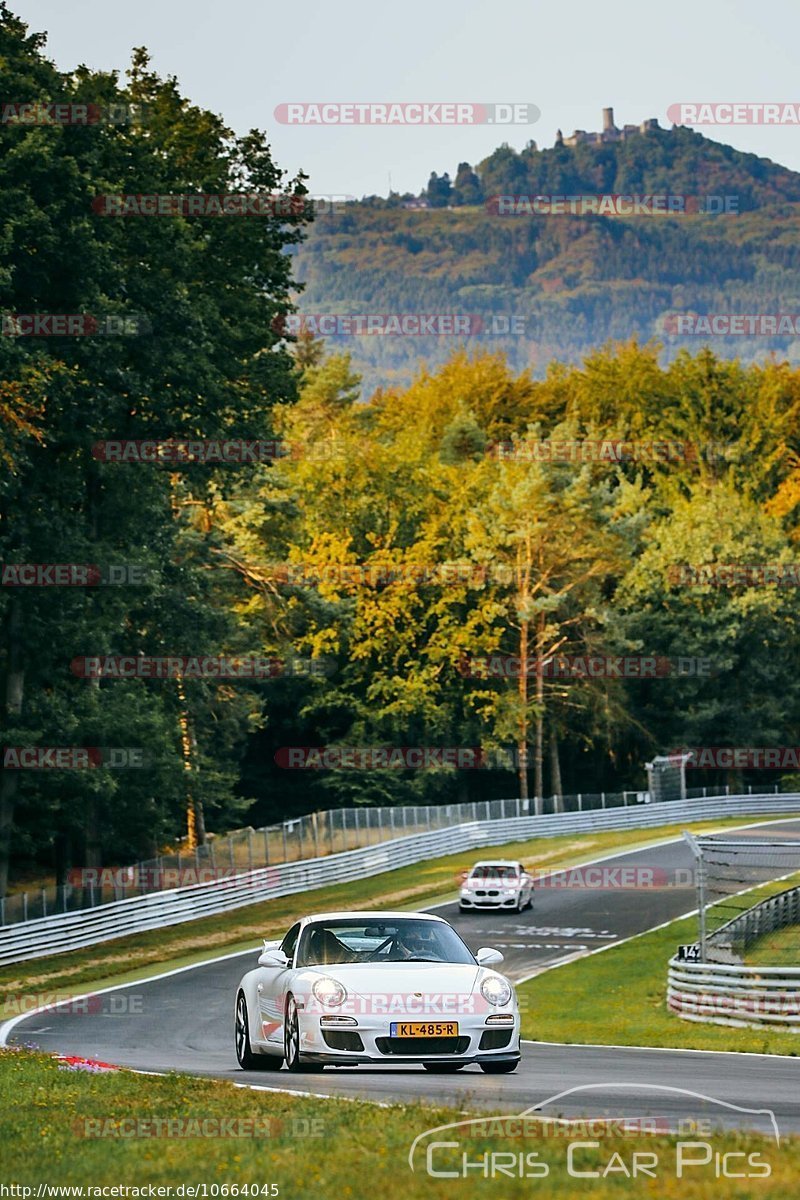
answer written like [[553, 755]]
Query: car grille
[[484, 892], [495, 1039], [418, 1046], [342, 1039]]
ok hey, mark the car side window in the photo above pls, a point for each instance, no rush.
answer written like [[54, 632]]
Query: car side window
[[289, 943]]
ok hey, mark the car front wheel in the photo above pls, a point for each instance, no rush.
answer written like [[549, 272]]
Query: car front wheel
[[291, 1041]]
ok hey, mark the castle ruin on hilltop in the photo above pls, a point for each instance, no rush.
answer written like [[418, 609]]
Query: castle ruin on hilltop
[[609, 132]]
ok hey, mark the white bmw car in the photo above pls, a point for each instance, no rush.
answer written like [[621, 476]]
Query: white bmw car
[[497, 883], [351, 988]]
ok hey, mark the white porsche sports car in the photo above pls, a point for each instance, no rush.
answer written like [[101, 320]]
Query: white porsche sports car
[[497, 883], [351, 988]]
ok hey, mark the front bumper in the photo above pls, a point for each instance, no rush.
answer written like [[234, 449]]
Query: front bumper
[[370, 1041], [354, 1060], [488, 899]]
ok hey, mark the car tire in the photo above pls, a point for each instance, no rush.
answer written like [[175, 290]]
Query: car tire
[[247, 1060], [443, 1068], [291, 1042], [499, 1068]]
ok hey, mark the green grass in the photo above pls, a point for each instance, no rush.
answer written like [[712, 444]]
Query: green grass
[[355, 1150], [618, 997], [778, 949], [134, 957]]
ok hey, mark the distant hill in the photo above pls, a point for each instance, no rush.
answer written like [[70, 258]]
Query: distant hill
[[573, 282]]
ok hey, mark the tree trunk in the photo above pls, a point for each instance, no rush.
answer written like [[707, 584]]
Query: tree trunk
[[93, 837], [538, 773], [735, 781], [62, 857], [14, 696], [539, 732], [93, 826], [555, 772], [199, 822], [522, 685], [195, 816]]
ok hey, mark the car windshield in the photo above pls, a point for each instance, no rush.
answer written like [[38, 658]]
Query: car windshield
[[495, 873], [338, 941]]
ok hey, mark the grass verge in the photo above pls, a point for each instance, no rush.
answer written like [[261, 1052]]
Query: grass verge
[[781, 948], [134, 957], [74, 1128], [618, 997]]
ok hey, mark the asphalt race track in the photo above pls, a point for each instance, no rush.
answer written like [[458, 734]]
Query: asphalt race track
[[184, 1021]]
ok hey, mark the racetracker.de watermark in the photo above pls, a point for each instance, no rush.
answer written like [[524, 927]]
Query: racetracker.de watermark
[[73, 575], [62, 1004], [451, 574], [588, 666], [595, 877], [775, 1002], [218, 204], [149, 1128], [170, 452], [19, 325], [731, 324], [734, 575], [401, 325], [738, 758], [406, 113], [73, 758], [399, 758], [37, 112], [736, 112], [145, 878], [199, 666], [607, 450], [610, 204]]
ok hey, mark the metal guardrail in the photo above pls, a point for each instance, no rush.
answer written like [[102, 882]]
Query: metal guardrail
[[73, 931], [776, 912], [314, 835], [735, 993]]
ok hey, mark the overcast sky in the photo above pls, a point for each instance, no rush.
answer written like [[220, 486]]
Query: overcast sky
[[242, 59]]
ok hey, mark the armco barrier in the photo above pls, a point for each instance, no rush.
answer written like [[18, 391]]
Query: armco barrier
[[72, 931], [776, 912], [736, 993], [313, 835], [725, 994]]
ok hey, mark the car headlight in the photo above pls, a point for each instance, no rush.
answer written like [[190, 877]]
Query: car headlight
[[329, 992], [496, 990]]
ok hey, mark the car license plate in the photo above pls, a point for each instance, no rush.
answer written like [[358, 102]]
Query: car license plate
[[424, 1029]]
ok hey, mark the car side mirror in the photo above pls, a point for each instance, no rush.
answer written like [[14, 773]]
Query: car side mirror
[[273, 958], [487, 956]]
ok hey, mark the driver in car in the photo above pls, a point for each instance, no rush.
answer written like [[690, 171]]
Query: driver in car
[[417, 942]]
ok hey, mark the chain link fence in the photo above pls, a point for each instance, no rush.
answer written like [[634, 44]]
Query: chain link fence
[[315, 835]]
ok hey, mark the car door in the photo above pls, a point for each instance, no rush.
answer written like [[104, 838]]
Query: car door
[[526, 885], [273, 983]]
